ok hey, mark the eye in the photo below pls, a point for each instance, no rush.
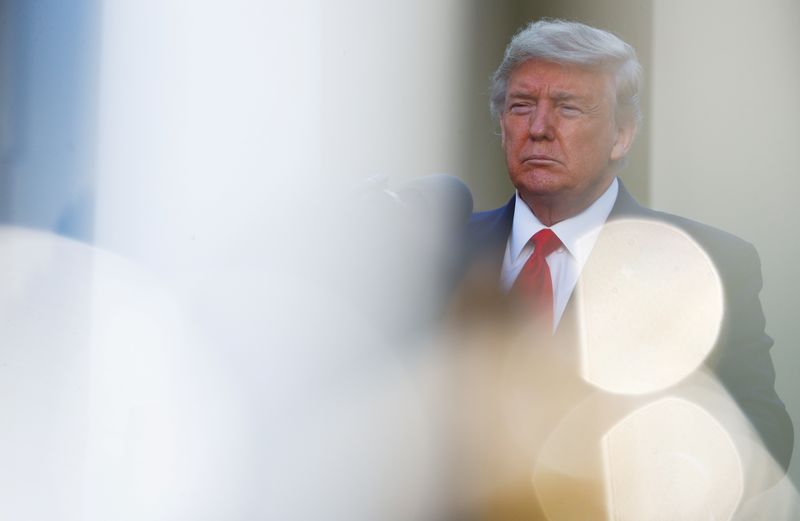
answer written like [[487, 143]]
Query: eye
[[570, 110], [520, 108]]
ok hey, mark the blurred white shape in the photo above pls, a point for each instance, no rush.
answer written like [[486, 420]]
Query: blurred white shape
[[650, 303], [672, 460], [206, 150], [43, 371], [122, 402], [87, 382]]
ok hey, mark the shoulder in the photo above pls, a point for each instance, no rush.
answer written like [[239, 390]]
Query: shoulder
[[735, 258], [485, 237], [488, 229], [732, 256], [490, 220]]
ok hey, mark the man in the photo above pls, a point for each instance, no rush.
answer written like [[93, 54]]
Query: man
[[566, 99]]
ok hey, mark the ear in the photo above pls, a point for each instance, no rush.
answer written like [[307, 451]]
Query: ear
[[626, 130], [502, 134]]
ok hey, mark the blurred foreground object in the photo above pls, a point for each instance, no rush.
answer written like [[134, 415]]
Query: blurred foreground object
[[633, 409], [122, 399]]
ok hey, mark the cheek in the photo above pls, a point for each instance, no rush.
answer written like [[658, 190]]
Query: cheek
[[506, 134], [509, 149], [589, 144], [513, 127]]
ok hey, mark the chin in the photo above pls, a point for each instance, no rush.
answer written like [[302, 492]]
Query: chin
[[541, 184]]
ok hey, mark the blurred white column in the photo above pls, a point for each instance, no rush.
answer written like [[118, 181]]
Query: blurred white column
[[229, 135]]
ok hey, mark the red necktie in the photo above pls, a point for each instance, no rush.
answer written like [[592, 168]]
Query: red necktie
[[534, 283]]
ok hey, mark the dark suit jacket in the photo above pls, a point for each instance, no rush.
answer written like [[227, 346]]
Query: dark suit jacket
[[740, 359]]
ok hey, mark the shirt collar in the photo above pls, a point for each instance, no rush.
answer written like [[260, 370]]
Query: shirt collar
[[578, 233]]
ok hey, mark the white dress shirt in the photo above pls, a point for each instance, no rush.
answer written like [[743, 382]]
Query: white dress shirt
[[578, 235]]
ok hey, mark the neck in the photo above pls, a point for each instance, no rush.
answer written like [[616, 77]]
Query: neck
[[554, 208]]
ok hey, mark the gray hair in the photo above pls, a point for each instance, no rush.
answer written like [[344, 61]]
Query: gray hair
[[571, 43]]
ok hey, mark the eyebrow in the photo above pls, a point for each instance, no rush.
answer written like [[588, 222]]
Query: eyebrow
[[559, 95]]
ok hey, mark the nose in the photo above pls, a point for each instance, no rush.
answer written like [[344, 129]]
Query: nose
[[541, 125]]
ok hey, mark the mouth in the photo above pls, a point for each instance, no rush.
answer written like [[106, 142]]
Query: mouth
[[540, 160]]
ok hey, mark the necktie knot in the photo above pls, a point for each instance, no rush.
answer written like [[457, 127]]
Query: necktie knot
[[545, 242]]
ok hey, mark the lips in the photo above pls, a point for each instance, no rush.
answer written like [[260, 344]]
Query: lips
[[540, 159]]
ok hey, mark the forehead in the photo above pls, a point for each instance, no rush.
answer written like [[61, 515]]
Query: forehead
[[538, 77]]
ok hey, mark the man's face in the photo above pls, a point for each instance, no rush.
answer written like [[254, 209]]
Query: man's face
[[559, 133]]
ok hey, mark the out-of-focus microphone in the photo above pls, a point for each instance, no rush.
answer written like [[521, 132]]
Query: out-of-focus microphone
[[409, 242], [438, 195]]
